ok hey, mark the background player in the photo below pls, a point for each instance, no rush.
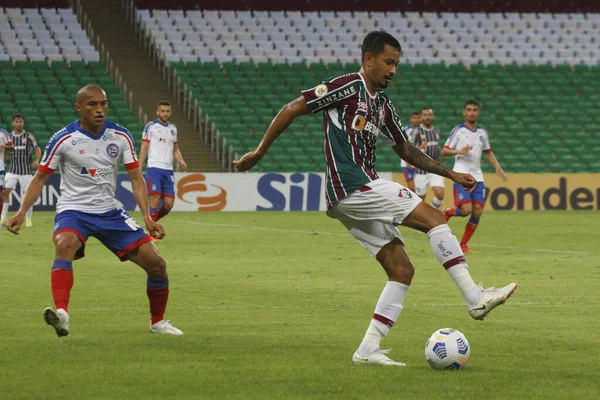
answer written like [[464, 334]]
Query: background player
[[160, 143], [5, 144], [467, 142], [426, 138], [20, 165], [89, 152], [407, 169], [370, 207]]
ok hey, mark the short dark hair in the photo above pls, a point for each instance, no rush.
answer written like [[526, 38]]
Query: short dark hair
[[471, 103], [18, 115], [163, 103], [415, 113], [375, 42]]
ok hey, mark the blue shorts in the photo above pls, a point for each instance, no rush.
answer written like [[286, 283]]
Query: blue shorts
[[160, 182], [463, 196], [409, 174], [115, 229], [2, 179]]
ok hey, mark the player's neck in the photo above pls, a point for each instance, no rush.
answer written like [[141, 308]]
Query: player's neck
[[18, 132], [93, 129], [428, 127], [371, 87], [471, 125], [165, 123]]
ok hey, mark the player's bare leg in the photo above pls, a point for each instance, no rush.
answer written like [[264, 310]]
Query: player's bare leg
[[400, 271], [168, 203], [66, 245], [477, 210], [448, 251], [4, 211], [154, 203], [438, 197], [157, 289]]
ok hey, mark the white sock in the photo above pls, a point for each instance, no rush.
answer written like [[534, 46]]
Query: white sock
[[29, 213], [4, 210], [446, 248], [387, 311], [436, 203]]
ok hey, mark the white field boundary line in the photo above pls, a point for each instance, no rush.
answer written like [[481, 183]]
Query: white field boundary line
[[307, 232], [509, 303]]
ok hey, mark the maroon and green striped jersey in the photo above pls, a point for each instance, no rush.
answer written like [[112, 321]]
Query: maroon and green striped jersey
[[420, 135], [353, 119], [20, 159]]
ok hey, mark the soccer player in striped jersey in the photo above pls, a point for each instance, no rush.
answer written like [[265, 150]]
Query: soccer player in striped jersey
[[356, 112], [159, 142], [407, 169], [426, 138], [467, 142], [89, 152], [20, 165], [5, 144]]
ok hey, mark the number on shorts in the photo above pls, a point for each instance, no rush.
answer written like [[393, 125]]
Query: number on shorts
[[130, 221]]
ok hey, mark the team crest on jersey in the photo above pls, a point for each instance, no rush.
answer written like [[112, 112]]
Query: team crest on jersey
[[321, 90], [112, 150], [172, 132], [405, 194], [481, 139], [362, 106]]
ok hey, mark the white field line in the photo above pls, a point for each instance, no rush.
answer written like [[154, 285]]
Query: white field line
[[509, 303], [313, 232]]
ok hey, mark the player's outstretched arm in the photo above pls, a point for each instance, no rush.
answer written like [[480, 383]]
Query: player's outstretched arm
[[280, 123], [143, 153], [421, 160], [492, 159], [34, 189], [140, 193]]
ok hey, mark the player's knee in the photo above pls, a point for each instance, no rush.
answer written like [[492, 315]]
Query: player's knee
[[157, 268], [437, 218], [66, 243], [465, 209], [168, 205]]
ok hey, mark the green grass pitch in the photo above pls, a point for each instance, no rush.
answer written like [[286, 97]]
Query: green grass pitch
[[274, 304]]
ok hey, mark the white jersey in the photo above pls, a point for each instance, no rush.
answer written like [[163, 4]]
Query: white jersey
[[408, 129], [4, 140], [161, 139], [89, 165], [478, 142]]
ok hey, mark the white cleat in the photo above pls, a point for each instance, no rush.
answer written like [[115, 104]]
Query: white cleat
[[378, 357], [164, 327], [28, 223], [2, 221], [490, 299], [58, 319]]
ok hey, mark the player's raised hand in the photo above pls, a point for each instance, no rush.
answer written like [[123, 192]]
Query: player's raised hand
[[14, 223], [466, 180], [500, 173], [464, 150], [154, 229], [248, 161]]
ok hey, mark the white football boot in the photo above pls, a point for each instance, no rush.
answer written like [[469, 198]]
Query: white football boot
[[58, 319], [378, 357], [164, 327], [490, 299], [28, 223]]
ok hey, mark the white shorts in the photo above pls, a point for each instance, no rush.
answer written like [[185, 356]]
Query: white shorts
[[12, 179], [372, 213], [422, 181]]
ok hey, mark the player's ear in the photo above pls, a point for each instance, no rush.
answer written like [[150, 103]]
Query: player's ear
[[77, 107]]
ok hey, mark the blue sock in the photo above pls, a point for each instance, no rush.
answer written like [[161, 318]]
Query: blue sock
[[59, 263], [457, 212], [474, 220], [157, 284]]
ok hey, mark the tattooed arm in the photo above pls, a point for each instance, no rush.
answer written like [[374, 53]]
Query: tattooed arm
[[421, 160]]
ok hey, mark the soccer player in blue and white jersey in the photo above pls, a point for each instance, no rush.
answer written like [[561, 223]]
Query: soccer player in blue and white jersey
[[89, 152], [20, 164], [159, 142], [5, 144], [356, 111], [467, 142], [408, 170]]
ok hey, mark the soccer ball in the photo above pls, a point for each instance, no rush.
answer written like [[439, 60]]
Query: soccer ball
[[447, 349]]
